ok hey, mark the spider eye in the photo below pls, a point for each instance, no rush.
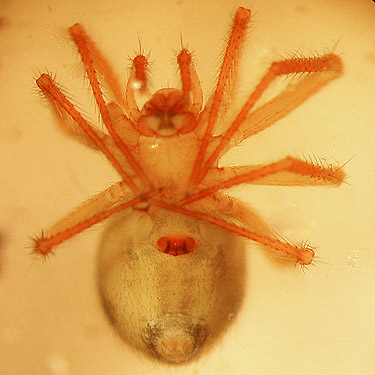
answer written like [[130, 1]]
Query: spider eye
[[176, 245]]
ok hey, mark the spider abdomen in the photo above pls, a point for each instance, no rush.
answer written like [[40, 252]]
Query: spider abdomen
[[171, 307]]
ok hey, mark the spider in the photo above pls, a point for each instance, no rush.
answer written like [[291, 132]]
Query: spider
[[168, 272]]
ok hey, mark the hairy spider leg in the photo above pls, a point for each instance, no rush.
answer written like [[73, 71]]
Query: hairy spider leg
[[226, 75], [80, 38], [102, 201], [304, 255], [44, 245], [101, 65], [294, 94], [190, 82], [184, 61], [226, 206], [299, 170], [46, 84], [268, 174], [289, 172], [189, 78], [137, 81], [98, 207], [296, 65], [286, 172]]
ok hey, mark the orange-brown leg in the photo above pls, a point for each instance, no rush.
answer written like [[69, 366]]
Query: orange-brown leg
[[101, 65], [137, 82], [226, 77], [92, 207], [323, 64], [232, 208], [294, 94], [190, 82], [90, 213], [286, 172], [47, 85], [303, 254], [83, 43]]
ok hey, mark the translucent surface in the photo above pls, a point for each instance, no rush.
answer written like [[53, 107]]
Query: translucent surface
[[318, 322], [174, 307]]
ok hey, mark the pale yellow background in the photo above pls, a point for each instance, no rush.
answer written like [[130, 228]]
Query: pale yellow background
[[318, 322]]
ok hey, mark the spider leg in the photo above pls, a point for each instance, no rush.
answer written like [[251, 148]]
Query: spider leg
[[286, 172], [303, 254], [99, 202], [66, 122], [101, 65], [122, 125], [327, 64], [83, 44], [93, 211], [137, 82], [47, 85], [281, 105], [190, 81], [233, 209], [226, 76]]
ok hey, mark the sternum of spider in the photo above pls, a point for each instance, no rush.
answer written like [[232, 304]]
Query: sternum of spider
[[169, 161]]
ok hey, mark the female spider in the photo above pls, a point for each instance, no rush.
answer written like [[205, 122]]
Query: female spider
[[170, 271]]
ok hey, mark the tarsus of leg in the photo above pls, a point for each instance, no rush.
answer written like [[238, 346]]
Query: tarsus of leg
[[234, 46], [44, 244], [304, 255], [78, 36], [321, 64], [302, 173], [46, 84]]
